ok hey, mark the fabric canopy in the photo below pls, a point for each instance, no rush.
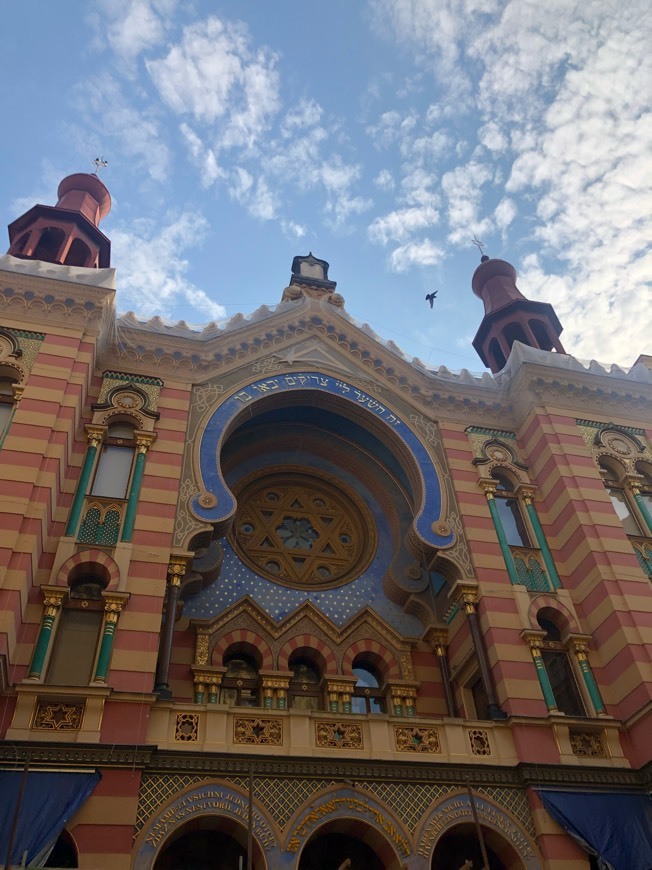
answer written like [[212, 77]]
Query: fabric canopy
[[616, 828], [49, 800]]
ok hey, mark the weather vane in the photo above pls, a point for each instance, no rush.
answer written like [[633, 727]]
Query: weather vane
[[99, 163], [479, 245]]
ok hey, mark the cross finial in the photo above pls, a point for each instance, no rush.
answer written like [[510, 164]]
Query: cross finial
[[479, 245], [99, 163]]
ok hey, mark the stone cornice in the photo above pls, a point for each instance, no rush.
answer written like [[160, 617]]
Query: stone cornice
[[209, 764], [41, 298]]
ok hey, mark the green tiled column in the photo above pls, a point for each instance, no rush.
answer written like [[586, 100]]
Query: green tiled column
[[580, 648], [502, 540], [95, 434], [51, 606], [543, 543]]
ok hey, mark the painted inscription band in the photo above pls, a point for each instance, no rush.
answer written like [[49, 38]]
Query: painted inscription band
[[216, 503]]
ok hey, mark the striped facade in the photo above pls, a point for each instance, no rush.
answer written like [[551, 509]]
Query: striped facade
[[452, 619]]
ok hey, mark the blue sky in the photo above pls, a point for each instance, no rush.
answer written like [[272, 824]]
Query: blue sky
[[379, 134]]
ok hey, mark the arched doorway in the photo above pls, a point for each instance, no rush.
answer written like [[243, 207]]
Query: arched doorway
[[208, 843], [334, 843], [460, 844]]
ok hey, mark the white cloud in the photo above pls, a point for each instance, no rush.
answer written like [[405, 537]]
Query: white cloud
[[137, 129], [399, 226], [214, 75], [135, 26], [152, 267], [505, 213], [293, 230], [418, 253], [385, 180], [254, 194], [202, 156]]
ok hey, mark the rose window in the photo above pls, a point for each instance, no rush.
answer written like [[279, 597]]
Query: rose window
[[302, 530]]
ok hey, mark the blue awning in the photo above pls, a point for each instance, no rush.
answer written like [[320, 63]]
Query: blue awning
[[49, 800], [615, 827]]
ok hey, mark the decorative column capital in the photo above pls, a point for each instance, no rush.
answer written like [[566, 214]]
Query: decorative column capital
[[144, 440], [438, 638], [208, 676], [527, 492], [275, 682], [53, 598], [113, 604], [17, 391], [468, 598], [488, 487], [177, 567], [95, 434], [580, 646], [535, 640]]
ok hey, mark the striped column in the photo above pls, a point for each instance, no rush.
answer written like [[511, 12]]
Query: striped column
[[17, 391], [439, 640], [534, 639], [94, 434], [113, 604], [468, 598], [177, 568], [52, 601], [581, 649], [489, 489], [640, 503], [144, 440], [528, 494]]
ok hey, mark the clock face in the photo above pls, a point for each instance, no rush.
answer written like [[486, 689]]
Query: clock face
[[302, 530]]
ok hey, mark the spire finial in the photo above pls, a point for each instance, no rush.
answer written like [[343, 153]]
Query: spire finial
[[99, 163], [479, 245]]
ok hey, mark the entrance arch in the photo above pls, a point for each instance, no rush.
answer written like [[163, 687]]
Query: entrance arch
[[460, 843], [208, 843], [340, 839]]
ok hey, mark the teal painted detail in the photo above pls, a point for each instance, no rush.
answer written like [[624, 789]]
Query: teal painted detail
[[632, 430], [451, 613], [132, 502], [398, 710], [644, 556], [592, 686], [410, 712], [502, 540], [282, 704], [640, 501], [41, 648], [82, 486], [346, 706], [212, 695], [531, 574], [102, 667], [543, 546], [267, 702], [498, 433], [332, 706], [23, 333], [133, 379], [199, 697], [105, 532], [544, 682]]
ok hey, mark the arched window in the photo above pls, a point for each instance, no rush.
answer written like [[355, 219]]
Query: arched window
[[509, 510], [645, 470], [64, 853], [558, 667], [240, 684], [612, 477], [515, 332], [49, 245], [79, 254], [7, 400], [496, 354], [305, 693], [114, 466], [541, 334], [368, 696], [75, 644]]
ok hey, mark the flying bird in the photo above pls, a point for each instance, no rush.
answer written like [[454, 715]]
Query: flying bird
[[431, 297]]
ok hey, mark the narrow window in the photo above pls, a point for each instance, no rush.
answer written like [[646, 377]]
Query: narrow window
[[75, 646], [560, 673], [511, 515], [7, 401], [114, 467], [367, 694], [304, 685], [240, 683]]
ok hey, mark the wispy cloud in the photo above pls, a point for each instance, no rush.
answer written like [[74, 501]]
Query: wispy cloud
[[135, 26], [153, 268], [214, 75]]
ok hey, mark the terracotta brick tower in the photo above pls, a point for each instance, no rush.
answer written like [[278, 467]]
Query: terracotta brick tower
[[67, 233], [509, 316]]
